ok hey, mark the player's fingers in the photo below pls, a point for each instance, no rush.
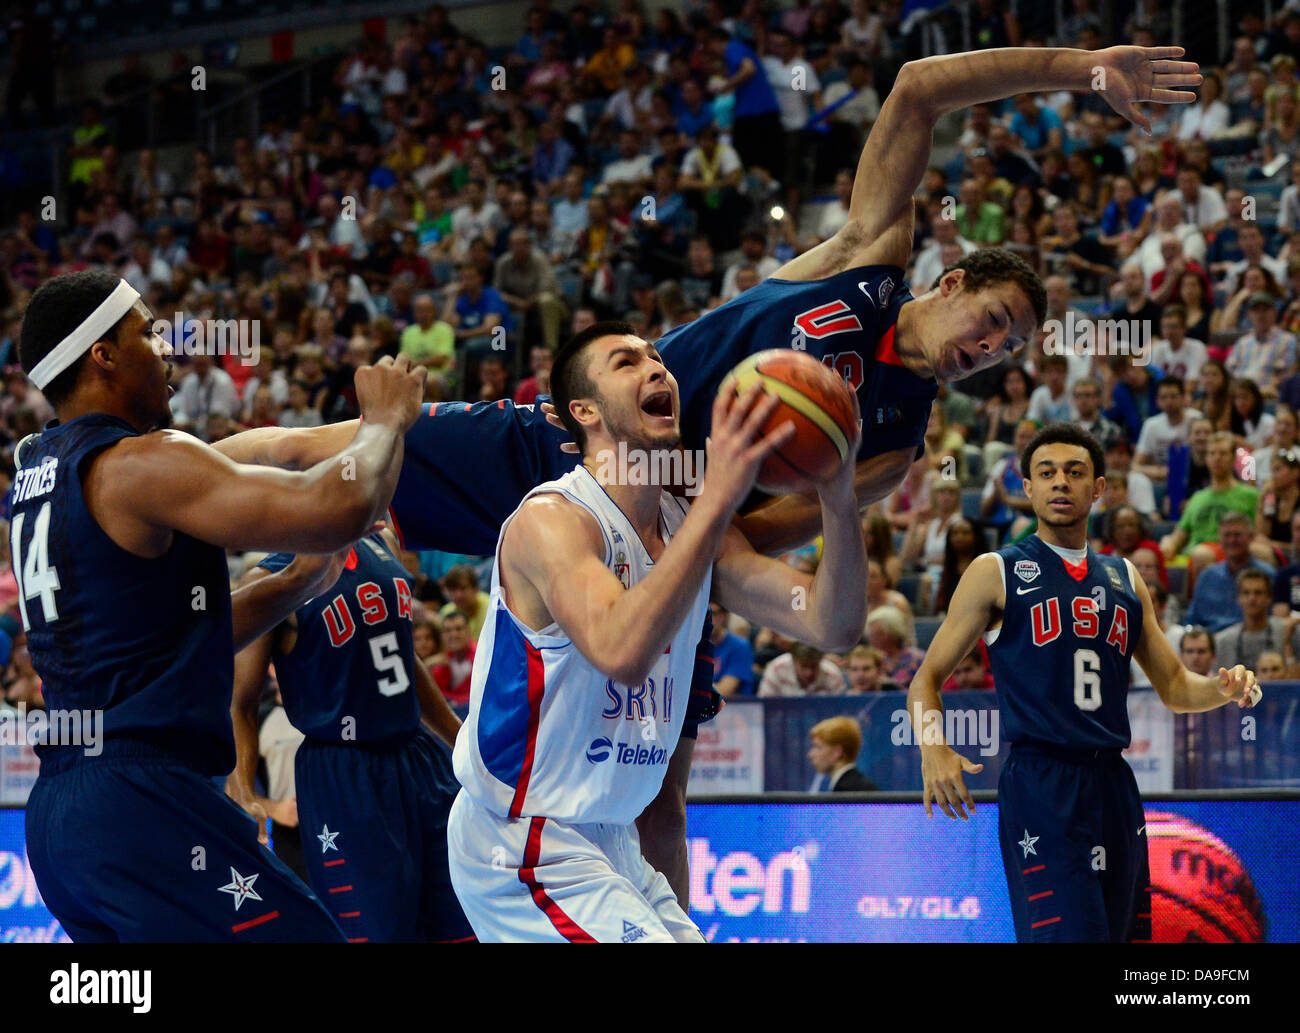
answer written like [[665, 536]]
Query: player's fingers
[[966, 798], [769, 443], [970, 766], [749, 399], [1171, 97], [1131, 113], [1163, 53], [926, 793], [942, 798], [758, 415], [570, 447]]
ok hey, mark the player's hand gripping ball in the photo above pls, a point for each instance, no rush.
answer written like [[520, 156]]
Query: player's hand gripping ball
[[819, 404]]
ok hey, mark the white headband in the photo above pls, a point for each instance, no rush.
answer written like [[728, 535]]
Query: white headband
[[92, 329]]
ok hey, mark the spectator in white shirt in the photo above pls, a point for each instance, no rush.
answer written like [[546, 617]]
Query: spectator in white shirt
[[834, 215], [804, 671], [1172, 424], [1288, 213], [477, 217], [1250, 237], [753, 245], [632, 164], [1050, 402], [1209, 115], [630, 106], [1176, 354], [929, 262], [1203, 205], [1141, 492], [205, 390], [1169, 219]]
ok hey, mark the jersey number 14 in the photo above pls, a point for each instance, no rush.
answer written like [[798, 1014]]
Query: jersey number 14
[[36, 578]]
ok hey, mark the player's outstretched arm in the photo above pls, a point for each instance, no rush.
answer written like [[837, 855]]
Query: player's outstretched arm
[[290, 448], [827, 610], [897, 151], [1181, 690], [979, 598], [145, 487], [264, 599]]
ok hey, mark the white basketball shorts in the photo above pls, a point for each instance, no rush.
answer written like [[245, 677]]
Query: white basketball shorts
[[536, 880]]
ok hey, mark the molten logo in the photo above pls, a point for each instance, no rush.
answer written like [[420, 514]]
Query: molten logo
[[738, 882]]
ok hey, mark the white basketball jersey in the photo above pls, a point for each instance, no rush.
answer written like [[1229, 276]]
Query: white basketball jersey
[[547, 734]]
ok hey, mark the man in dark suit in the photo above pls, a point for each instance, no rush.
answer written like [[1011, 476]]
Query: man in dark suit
[[834, 753]]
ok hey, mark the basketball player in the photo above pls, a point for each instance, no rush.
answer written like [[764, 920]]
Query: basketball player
[[373, 790], [844, 302], [118, 535], [1061, 623], [586, 658]]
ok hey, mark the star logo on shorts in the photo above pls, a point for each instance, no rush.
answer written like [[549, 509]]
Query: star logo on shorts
[[1027, 844], [240, 888], [327, 838]]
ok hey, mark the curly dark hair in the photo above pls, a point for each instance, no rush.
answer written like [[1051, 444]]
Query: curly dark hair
[[990, 267], [1068, 434]]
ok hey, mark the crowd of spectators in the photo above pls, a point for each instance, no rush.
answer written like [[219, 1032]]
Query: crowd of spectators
[[469, 206]]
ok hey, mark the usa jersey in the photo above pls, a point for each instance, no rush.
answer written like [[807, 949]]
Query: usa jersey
[[347, 678], [1061, 657], [548, 735], [847, 321], [146, 641]]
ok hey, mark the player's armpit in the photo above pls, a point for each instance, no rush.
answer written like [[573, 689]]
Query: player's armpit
[[979, 597], [792, 521]]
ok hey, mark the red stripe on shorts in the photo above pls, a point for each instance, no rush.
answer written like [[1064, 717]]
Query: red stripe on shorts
[[564, 925], [536, 687]]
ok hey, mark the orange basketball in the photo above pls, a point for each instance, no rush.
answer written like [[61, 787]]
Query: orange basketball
[[1200, 890], [816, 400]]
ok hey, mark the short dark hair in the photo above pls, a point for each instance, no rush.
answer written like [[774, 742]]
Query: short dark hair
[[1254, 574], [989, 267], [569, 378], [1171, 380], [1065, 434], [460, 576], [1197, 631], [58, 307]]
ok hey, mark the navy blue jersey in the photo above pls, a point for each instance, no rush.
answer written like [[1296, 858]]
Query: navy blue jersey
[[847, 321], [1061, 657], [146, 641], [348, 676]]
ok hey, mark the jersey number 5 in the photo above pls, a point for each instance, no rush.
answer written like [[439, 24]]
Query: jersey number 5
[[387, 656], [36, 578]]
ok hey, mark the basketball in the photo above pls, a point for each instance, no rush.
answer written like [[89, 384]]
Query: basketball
[[1200, 890], [819, 404]]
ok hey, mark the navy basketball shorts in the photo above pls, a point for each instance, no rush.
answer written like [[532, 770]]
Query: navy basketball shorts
[[132, 846], [373, 819], [705, 701], [1073, 836]]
